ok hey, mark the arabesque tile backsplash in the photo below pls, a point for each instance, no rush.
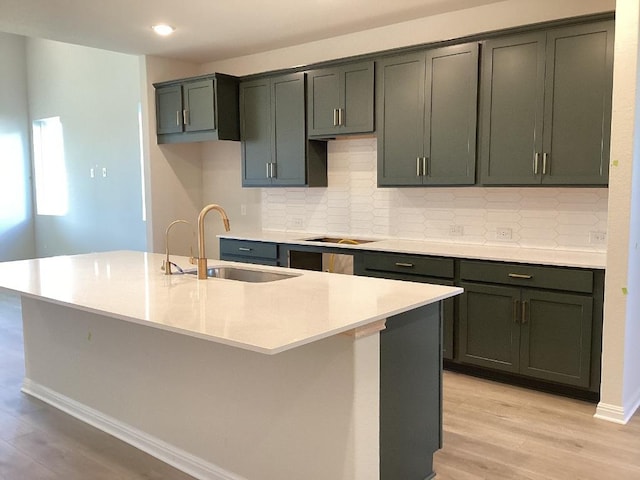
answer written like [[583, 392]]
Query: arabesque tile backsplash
[[352, 205]]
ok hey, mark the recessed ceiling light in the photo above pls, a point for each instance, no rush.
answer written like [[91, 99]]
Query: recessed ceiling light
[[163, 29]]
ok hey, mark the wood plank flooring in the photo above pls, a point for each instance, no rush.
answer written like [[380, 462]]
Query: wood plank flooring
[[492, 431]]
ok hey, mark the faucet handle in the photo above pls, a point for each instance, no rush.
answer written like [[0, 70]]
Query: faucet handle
[[193, 260]]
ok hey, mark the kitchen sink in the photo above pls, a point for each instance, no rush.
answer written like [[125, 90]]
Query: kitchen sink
[[346, 240], [243, 274]]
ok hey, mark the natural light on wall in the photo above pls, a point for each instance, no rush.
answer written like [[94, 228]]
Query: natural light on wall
[[13, 208], [49, 167]]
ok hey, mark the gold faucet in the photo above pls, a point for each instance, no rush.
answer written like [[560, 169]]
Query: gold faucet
[[166, 264], [202, 258]]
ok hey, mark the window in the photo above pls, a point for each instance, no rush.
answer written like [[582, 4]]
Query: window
[[49, 167]]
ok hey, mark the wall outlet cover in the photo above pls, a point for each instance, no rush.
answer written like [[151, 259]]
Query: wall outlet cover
[[597, 237], [456, 230], [504, 233]]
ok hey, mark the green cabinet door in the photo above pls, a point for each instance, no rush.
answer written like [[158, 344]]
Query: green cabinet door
[[400, 119], [356, 85], [556, 337], [288, 124], [427, 109], [489, 328], [324, 99], [512, 97], [546, 107], [199, 107], [255, 128], [169, 109], [450, 115], [578, 91], [340, 100]]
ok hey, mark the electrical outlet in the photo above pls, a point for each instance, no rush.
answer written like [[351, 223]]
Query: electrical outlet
[[297, 222], [504, 233], [456, 230], [243, 209], [597, 237]]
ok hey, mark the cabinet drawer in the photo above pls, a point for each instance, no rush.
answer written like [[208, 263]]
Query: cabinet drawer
[[247, 248], [556, 278], [409, 264]]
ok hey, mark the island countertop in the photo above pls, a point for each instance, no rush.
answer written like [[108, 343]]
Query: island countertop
[[266, 317]]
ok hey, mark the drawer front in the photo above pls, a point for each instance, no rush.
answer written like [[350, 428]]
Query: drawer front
[[409, 264], [555, 278], [247, 248]]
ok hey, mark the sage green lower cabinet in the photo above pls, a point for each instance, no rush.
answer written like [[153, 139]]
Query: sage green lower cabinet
[[426, 106], [415, 268], [275, 148], [249, 251], [536, 332]]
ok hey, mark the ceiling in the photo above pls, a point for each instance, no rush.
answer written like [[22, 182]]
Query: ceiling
[[208, 30]]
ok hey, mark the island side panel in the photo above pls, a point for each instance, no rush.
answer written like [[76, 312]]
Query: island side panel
[[311, 412], [411, 394]]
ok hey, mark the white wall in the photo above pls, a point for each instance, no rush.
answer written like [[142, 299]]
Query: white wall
[[97, 96], [174, 172], [621, 355], [16, 217]]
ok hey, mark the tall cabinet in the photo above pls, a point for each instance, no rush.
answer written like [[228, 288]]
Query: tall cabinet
[[426, 117], [546, 107], [275, 149]]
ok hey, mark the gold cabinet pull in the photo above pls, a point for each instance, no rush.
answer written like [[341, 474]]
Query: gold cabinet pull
[[244, 249], [185, 116], [524, 312], [545, 158], [336, 118], [536, 161], [520, 275], [403, 264], [417, 166], [178, 118]]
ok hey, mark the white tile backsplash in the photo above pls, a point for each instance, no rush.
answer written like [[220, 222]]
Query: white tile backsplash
[[352, 205]]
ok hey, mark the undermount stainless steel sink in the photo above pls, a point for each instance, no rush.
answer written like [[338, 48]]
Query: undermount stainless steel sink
[[243, 274]]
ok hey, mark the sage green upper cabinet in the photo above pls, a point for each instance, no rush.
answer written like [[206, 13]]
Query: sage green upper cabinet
[[275, 149], [340, 100], [546, 107], [426, 107], [197, 109]]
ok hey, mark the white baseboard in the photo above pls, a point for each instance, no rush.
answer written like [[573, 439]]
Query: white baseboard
[[155, 447], [610, 413], [615, 413]]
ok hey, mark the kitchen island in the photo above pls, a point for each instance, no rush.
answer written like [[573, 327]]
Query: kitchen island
[[311, 376]]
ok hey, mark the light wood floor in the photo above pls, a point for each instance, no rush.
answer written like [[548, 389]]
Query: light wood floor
[[492, 431]]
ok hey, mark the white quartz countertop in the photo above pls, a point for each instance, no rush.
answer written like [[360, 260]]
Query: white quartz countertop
[[503, 253], [264, 317]]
